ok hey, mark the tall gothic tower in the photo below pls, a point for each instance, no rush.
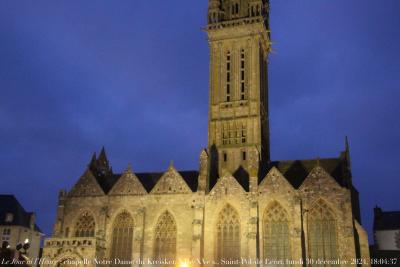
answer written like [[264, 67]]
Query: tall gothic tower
[[239, 39]]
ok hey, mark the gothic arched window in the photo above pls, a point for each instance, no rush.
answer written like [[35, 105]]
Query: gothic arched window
[[165, 238], [122, 237], [276, 233], [322, 234], [85, 226], [227, 244]]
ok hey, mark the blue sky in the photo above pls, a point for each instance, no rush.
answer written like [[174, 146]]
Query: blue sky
[[133, 76]]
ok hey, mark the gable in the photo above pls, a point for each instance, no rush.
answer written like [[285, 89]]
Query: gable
[[319, 180], [171, 182], [274, 182], [86, 186], [227, 184], [128, 184]]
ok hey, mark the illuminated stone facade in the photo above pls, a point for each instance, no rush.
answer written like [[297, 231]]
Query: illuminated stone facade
[[240, 206]]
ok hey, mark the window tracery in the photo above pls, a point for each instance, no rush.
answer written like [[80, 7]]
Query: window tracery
[[122, 237], [85, 226], [276, 233], [322, 233], [228, 236], [165, 238]]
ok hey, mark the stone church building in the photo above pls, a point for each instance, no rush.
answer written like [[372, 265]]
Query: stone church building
[[239, 206]]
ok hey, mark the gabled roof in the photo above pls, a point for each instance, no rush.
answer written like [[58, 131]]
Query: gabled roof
[[148, 180], [296, 171], [9, 204], [386, 220], [128, 184]]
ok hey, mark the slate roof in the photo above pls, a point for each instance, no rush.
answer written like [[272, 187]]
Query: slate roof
[[148, 180], [386, 220], [9, 204], [296, 171], [107, 182]]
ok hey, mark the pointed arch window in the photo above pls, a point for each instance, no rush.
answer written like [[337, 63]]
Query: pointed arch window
[[122, 237], [85, 226], [276, 234], [165, 238], [227, 244], [322, 233]]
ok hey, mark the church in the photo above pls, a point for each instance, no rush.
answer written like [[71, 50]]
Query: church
[[240, 207]]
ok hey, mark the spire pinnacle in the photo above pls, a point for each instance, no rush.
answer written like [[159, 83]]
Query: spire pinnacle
[[93, 160], [347, 153], [129, 169], [103, 155], [347, 144]]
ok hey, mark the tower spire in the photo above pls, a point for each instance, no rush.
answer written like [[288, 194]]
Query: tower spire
[[100, 166], [347, 153]]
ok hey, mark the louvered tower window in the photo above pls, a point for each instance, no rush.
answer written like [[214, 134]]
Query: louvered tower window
[[227, 244], [228, 76], [322, 233], [85, 226], [276, 234], [122, 237], [165, 238], [242, 75]]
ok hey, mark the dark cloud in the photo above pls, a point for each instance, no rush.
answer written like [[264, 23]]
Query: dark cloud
[[133, 76]]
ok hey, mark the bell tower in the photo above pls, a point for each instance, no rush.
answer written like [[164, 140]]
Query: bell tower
[[238, 127]]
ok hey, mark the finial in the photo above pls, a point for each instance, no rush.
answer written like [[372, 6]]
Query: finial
[[347, 144], [102, 152], [171, 164], [347, 153], [129, 169], [318, 161]]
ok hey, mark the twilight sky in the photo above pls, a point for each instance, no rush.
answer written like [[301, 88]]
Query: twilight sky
[[133, 76]]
